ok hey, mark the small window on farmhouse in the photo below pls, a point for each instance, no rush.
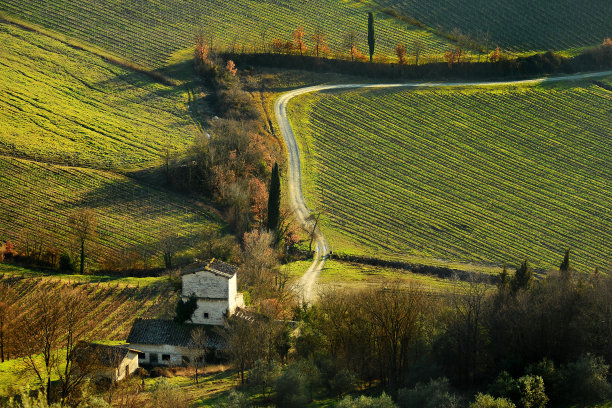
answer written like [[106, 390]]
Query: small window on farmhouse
[[206, 315], [142, 356], [165, 357], [153, 358]]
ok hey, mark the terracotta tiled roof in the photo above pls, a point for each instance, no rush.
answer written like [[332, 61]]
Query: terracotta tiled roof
[[106, 355], [217, 267]]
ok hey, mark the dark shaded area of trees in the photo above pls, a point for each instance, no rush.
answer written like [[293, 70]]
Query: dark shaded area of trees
[[523, 342], [598, 58]]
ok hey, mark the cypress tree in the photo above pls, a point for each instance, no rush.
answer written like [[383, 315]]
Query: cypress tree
[[565, 265], [274, 199], [371, 39], [504, 280], [522, 277]]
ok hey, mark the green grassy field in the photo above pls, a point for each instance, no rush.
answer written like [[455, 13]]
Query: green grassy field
[[37, 199], [476, 175], [65, 105], [337, 274], [519, 25], [148, 32]]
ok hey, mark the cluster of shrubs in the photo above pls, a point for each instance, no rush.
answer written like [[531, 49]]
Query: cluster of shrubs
[[36, 256], [582, 381]]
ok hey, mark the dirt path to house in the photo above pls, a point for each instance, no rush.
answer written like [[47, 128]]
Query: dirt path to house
[[307, 283]]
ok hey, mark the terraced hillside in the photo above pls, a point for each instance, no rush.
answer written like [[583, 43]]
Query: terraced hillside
[[119, 304], [519, 25], [148, 32], [36, 200], [487, 175], [66, 105]]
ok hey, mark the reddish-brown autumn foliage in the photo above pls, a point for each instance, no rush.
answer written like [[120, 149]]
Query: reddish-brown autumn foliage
[[356, 55], [298, 40], [277, 45], [495, 55], [258, 195], [231, 68], [400, 51], [201, 52], [320, 44], [453, 56]]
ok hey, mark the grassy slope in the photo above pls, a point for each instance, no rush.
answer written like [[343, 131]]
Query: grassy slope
[[62, 104], [483, 175], [37, 198], [518, 25], [148, 32]]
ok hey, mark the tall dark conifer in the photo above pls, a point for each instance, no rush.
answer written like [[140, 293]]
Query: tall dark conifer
[[523, 277], [371, 38], [274, 199], [565, 265]]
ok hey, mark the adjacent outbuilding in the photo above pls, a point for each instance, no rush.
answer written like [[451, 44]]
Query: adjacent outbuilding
[[167, 343]]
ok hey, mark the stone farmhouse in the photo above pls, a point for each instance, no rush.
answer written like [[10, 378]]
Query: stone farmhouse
[[112, 362], [165, 342], [215, 286]]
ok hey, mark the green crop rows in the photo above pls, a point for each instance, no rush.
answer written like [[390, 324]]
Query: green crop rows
[[482, 175], [148, 32], [70, 106], [36, 200], [519, 25]]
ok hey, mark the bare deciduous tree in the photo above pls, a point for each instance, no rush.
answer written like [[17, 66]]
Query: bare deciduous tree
[[50, 332], [83, 223], [417, 49], [243, 342], [350, 42], [8, 322], [199, 342]]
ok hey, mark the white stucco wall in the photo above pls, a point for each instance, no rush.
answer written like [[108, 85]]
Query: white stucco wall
[[216, 309], [218, 296], [205, 284], [232, 290], [131, 362], [176, 354]]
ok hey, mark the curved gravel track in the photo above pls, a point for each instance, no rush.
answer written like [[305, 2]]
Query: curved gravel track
[[307, 282]]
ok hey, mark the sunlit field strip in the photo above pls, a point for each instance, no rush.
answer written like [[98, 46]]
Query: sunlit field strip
[[37, 198], [488, 176], [149, 32], [65, 105]]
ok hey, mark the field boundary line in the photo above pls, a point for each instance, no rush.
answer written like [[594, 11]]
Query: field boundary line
[[92, 49]]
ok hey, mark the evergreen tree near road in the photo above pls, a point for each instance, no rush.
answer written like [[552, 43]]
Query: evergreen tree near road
[[371, 38], [274, 199]]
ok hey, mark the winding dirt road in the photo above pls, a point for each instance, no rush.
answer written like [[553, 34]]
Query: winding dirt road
[[307, 282]]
